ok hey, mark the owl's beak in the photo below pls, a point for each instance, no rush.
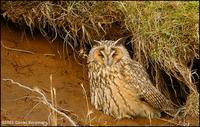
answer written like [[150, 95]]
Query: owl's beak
[[108, 62]]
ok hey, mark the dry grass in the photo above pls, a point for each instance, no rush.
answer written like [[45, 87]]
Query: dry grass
[[53, 113], [89, 111], [165, 34]]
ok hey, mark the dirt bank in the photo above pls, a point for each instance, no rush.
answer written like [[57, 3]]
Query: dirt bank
[[19, 106]]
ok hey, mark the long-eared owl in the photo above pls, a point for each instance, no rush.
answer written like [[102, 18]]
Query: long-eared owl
[[120, 86]]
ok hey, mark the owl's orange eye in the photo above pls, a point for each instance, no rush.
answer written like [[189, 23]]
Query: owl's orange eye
[[100, 54], [114, 54]]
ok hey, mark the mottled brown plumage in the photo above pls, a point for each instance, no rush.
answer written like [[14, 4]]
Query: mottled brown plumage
[[119, 86]]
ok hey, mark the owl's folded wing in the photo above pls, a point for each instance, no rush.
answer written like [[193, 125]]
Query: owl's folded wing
[[139, 80]]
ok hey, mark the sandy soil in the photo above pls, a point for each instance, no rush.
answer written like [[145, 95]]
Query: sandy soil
[[19, 107]]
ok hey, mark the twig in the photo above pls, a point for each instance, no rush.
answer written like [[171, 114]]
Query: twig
[[18, 50], [43, 99], [21, 98], [53, 108], [13, 82], [31, 109]]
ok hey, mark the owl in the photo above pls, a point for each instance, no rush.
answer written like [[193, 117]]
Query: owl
[[120, 86]]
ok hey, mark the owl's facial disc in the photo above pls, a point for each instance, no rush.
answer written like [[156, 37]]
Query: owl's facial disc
[[108, 55]]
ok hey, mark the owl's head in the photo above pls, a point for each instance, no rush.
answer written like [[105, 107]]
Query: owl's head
[[108, 52]]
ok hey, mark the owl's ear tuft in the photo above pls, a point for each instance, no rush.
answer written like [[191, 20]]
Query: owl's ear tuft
[[123, 40], [94, 42], [98, 42], [88, 46]]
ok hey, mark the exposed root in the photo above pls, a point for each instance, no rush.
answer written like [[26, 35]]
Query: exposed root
[[18, 50]]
